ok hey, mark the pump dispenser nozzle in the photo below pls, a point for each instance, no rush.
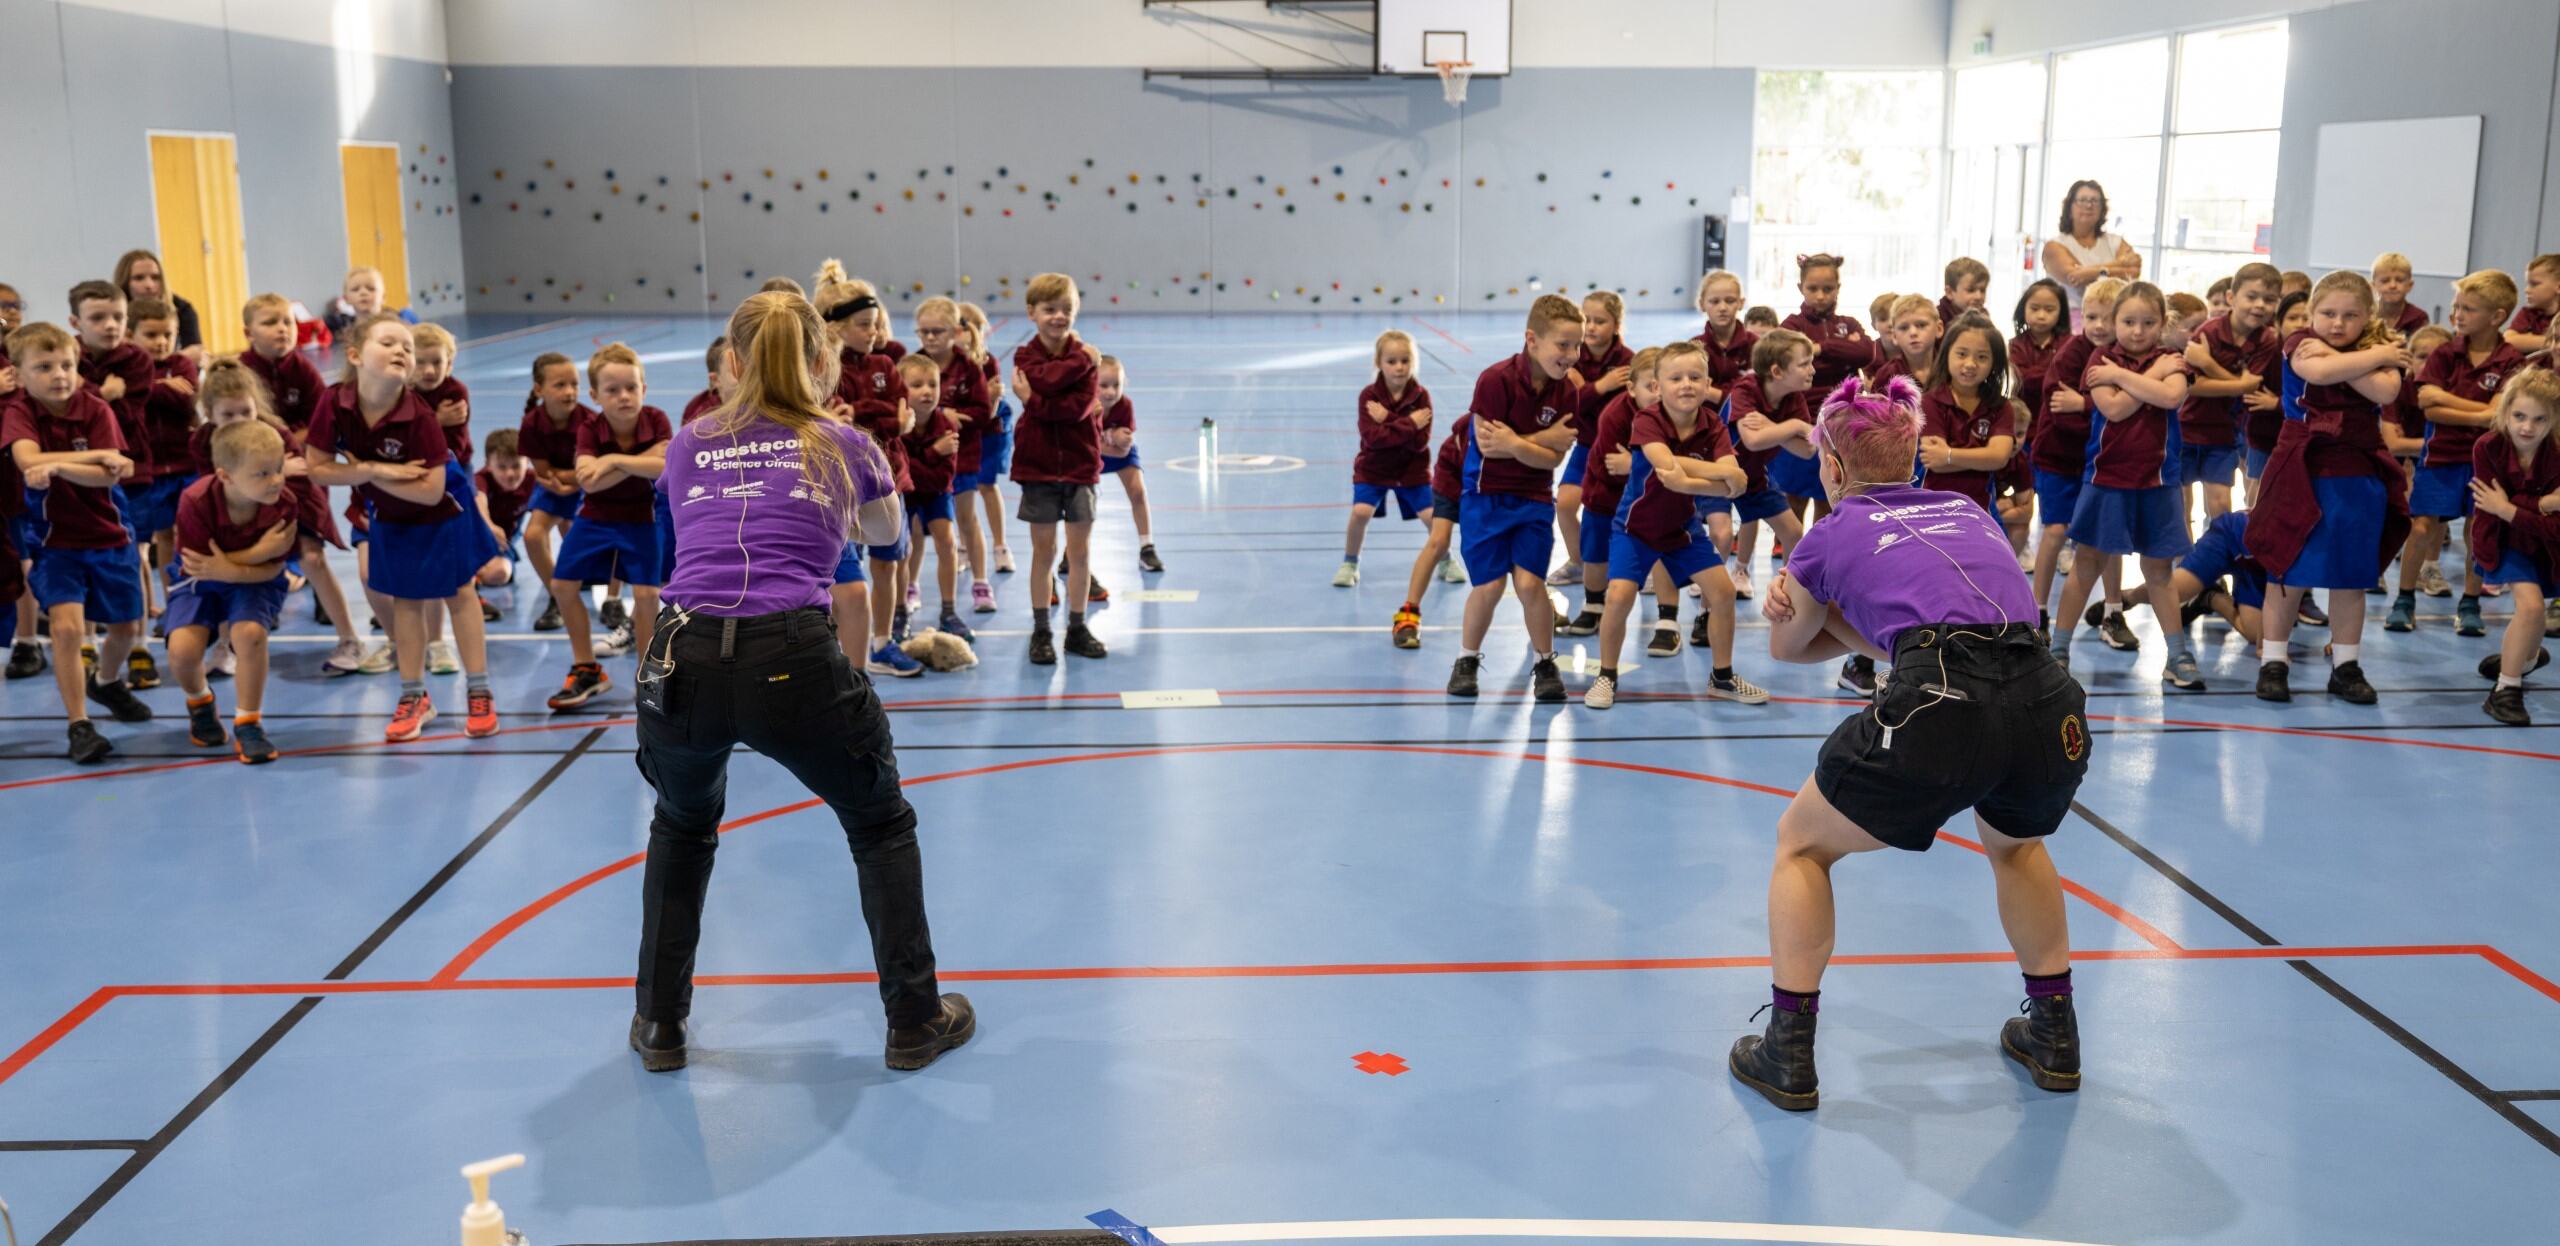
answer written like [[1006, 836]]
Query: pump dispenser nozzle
[[482, 1223]]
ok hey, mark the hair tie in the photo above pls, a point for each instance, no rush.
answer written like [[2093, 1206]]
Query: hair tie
[[846, 311], [1801, 257]]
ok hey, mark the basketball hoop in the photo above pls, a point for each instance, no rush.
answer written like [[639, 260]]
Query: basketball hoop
[[1453, 80]]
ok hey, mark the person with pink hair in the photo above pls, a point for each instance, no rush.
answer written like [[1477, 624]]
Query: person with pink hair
[[1975, 715]]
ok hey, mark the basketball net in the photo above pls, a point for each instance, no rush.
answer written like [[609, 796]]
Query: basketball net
[[1453, 79]]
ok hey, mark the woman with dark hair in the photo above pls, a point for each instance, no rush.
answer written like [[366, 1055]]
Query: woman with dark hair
[[764, 491], [139, 275], [2081, 251]]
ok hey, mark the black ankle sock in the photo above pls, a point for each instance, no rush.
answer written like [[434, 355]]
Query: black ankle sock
[[1593, 599], [1608, 672], [1789, 1001], [1669, 611], [1039, 619], [1075, 618], [1724, 674]]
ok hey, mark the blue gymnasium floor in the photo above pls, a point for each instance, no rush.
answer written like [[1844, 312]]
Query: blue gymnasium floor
[[285, 1004]]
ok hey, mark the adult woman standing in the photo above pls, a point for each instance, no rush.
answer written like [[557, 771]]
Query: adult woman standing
[[764, 491], [2083, 251], [138, 274]]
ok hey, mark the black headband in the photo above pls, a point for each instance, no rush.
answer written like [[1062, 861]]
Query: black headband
[[846, 311]]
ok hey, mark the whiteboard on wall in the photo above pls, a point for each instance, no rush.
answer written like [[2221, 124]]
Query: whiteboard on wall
[[2401, 186], [1411, 34]]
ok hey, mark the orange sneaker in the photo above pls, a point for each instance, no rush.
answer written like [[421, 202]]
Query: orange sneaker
[[1407, 631], [481, 718], [416, 710]]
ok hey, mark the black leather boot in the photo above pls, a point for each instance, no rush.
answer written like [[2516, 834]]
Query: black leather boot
[[2046, 1040], [660, 1044], [1779, 1062]]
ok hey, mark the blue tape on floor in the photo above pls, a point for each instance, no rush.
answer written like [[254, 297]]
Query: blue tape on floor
[[1128, 1230]]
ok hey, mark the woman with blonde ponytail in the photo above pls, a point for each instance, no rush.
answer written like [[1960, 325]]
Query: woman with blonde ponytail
[[765, 491]]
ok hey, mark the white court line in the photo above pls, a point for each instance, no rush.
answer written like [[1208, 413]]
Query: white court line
[[1592, 1230], [1100, 621]]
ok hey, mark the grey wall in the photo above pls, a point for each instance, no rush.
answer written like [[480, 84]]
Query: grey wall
[[80, 102], [2377, 62], [1264, 156]]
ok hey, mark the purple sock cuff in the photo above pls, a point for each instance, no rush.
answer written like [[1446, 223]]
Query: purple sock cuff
[[2057, 984], [1788, 1001]]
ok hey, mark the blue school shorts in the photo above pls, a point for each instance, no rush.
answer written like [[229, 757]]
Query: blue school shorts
[[1499, 533], [1632, 560], [2344, 549], [2218, 552], [153, 506], [427, 561], [924, 508], [553, 504], [2147, 523], [2057, 496], [597, 551], [1414, 500], [1752, 507], [2257, 461], [849, 565], [210, 604], [2516, 567], [1596, 539], [1574, 461], [1795, 477], [1114, 466], [2212, 465], [2441, 492], [105, 583]]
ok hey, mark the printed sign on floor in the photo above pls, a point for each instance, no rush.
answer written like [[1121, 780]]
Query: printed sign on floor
[[1170, 699]]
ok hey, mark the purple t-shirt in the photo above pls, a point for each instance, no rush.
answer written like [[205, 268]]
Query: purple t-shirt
[[753, 536], [1871, 560]]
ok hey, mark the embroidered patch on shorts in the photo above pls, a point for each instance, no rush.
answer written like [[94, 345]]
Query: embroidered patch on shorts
[[2075, 738]]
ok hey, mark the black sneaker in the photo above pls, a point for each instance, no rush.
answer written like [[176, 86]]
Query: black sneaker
[[1583, 624], [1044, 651], [1147, 560], [489, 612], [2348, 684], [586, 680], [204, 726], [2095, 614], [140, 672], [1462, 676], [250, 741], [1778, 1062], [88, 747], [1095, 594], [549, 621], [2311, 612], [26, 660], [661, 1044], [1546, 683], [120, 702], [1083, 643], [2271, 681], [2490, 664], [614, 615], [1858, 675], [1698, 635], [914, 1047], [2046, 1039], [2118, 634], [1666, 639], [2507, 706]]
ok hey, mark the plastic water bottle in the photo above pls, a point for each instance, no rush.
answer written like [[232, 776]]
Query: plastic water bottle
[[1208, 446]]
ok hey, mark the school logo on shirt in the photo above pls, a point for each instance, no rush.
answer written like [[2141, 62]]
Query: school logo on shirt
[[79, 444], [2075, 738], [1546, 416], [879, 381], [2488, 382], [391, 447], [1842, 328], [1982, 429]]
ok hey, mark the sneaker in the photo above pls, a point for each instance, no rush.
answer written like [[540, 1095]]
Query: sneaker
[[26, 660], [982, 598], [1737, 689], [1406, 631], [1741, 573], [549, 619], [480, 715], [121, 704], [1545, 682], [660, 1044], [140, 672], [489, 612], [1858, 675], [443, 658], [1602, 693], [892, 661], [613, 614], [1451, 572], [1699, 636], [2181, 673], [249, 741], [612, 644], [1148, 562], [1004, 561], [1095, 593], [2045, 1039], [204, 725], [1586, 623], [917, 1046], [585, 682], [1778, 1062], [2466, 618], [950, 623], [1044, 651], [2493, 590], [1083, 643], [345, 658], [220, 662], [89, 659], [2404, 614], [1568, 574], [2348, 684], [1462, 676], [1666, 639], [902, 624], [2118, 634], [1347, 574], [2551, 618], [2095, 614], [914, 598], [379, 660], [2490, 664], [410, 720], [88, 748], [2271, 681], [2507, 706], [2312, 613], [2431, 581]]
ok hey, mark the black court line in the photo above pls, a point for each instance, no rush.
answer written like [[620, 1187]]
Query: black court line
[[230, 1076], [2530, 1096], [2462, 1078], [74, 1144]]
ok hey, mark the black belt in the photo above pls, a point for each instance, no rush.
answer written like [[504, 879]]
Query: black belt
[[786, 623], [1984, 636]]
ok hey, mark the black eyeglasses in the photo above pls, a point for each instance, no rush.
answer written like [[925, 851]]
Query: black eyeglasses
[[12, 305]]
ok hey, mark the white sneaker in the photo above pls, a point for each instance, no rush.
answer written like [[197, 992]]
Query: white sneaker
[[1346, 575], [1737, 689], [1004, 560], [345, 659], [2431, 581], [1451, 572], [379, 660], [614, 644], [1602, 694], [443, 658], [1570, 573], [219, 660], [1741, 573], [1689, 590]]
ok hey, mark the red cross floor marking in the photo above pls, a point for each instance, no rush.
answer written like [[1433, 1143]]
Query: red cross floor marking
[[1386, 1062]]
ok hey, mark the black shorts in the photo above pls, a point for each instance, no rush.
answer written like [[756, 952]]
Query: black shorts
[[1049, 501], [2000, 732], [1444, 506]]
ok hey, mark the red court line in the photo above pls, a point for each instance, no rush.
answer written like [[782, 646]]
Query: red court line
[[513, 922], [72, 1020], [1444, 334], [2406, 741]]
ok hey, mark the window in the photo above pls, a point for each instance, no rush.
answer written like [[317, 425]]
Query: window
[[1847, 163], [1994, 192], [2222, 154], [2106, 126]]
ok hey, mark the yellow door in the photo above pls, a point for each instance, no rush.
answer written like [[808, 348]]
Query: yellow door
[[195, 183], [377, 227]]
